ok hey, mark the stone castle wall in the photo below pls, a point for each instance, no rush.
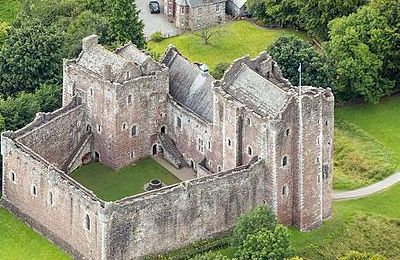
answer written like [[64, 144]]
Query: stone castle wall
[[64, 133], [181, 214], [51, 202]]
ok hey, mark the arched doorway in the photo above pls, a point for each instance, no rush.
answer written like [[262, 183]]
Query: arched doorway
[[192, 164], [96, 156], [154, 149], [89, 128], [86, 158], [163, 129]]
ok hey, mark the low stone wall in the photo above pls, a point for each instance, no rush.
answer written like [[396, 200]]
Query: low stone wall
[[181, 214]]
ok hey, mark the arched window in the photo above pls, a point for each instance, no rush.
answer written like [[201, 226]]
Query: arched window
[[12, 176], [249, 121], [287, 132], [50, 198], [219, 168], [284, 161], [34, 190], [134, 131], [285, 190], [229, 142], [249, 150], [87, 222]]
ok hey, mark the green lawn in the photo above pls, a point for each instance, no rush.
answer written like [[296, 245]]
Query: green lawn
[[112, 185], [9, 10], [368, 224], [237, 39], [19, 242], [381, 121]]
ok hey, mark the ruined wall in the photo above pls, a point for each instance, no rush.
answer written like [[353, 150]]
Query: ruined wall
[[50, 202], [179, 215], [63, 134], [187, 136]]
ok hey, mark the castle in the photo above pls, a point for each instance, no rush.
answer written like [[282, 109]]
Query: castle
[[252, 138]]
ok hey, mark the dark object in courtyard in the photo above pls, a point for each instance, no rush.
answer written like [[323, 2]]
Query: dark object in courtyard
[[154, 184]]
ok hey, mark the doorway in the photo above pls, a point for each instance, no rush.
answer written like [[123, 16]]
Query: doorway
[[163, 129], [154, 149]]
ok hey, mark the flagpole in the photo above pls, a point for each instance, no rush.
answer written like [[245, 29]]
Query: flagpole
[[299, 70]]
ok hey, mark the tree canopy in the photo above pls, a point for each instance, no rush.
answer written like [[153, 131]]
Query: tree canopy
[[289, 51]]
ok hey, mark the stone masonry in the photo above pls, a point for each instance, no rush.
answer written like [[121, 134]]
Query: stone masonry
[[252, 138]]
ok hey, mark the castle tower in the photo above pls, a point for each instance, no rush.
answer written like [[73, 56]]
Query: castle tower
[[313, 180]]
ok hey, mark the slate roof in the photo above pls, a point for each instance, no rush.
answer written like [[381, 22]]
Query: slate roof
[[189, 85], [256, 92], [132, 53], [197, 3], [239, 3]]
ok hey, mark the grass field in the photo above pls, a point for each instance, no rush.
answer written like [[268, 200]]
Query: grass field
[[381, 121], [237, 39], [9, 10], [112, 185], [368, 224], [18, 241]]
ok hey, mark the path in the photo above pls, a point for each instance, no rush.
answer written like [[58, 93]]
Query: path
[[359, 193], [184, 174]]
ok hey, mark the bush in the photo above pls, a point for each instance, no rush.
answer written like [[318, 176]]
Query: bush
[[266, 244], [251, 222], [220, 69], [210, 256], [157, 37], [355, 255]]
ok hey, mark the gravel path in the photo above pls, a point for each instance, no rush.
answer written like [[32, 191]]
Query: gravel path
[[359, 193]]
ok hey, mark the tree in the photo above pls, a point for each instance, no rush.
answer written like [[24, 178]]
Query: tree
[[206, 34], [357, 49], [19, 111], [256, 8], [30, 56], [124, 23], [289, 51], [282, 12], [83, 25], [266, 244], [48, 97], [251, 222], [355, 255], [315, 14]]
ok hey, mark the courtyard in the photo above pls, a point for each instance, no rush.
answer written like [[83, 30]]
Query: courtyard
[[110, 185]]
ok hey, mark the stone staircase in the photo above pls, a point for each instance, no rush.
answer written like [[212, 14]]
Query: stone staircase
[[72, 157], [171, 152]]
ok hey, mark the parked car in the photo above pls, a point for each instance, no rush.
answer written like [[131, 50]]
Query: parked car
[[154, 7]]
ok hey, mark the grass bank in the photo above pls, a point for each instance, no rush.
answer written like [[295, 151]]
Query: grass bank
[[237, 39], [18, 241], [112, 185]]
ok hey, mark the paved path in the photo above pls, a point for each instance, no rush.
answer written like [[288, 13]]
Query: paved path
[[155, 22], [359, 193], [184, 174]]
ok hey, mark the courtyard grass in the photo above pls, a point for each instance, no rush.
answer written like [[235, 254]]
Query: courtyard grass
[[236, 40], [111, 185], [9, 10], [18, 241]]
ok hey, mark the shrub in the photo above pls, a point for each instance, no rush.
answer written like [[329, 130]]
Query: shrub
[[355, 255], [157, 37], [251, 222], [210, 256], [266, 244], [220, 69]]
